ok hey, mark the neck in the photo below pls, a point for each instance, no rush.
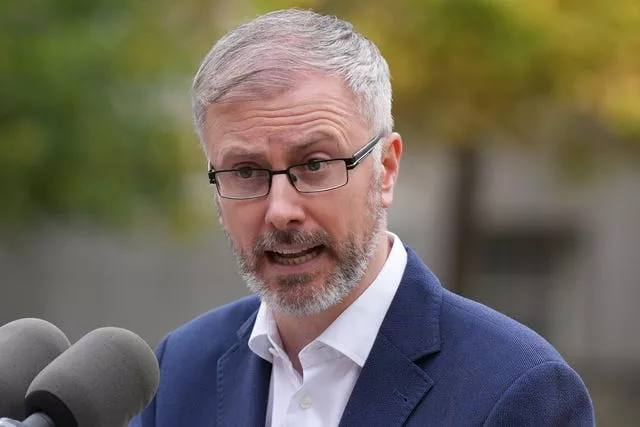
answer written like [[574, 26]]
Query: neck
[[296, 332]]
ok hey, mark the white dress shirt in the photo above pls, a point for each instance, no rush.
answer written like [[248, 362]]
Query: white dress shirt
[[332, 362]]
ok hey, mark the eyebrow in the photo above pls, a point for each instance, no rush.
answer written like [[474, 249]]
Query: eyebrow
[[239, 150], [312, 139]]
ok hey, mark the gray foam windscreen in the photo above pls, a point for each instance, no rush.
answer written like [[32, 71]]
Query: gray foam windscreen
[[26, 347], [104, 380]]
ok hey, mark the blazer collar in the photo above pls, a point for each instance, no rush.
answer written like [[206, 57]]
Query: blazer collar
[[243, 383], [391, 384], [413, 320]]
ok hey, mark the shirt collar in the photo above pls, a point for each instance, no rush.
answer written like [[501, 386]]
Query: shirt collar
[[264, 335], [354, 331]]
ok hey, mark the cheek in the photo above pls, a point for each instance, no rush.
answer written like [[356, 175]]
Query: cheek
[[242, 224], [341, 214]]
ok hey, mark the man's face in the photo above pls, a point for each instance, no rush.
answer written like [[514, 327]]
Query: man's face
[[303, 253]]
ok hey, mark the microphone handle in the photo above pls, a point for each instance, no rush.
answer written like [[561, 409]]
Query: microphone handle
[[34, 420]]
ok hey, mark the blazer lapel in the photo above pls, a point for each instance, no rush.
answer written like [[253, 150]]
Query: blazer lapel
[[243, 384], [391, 384]]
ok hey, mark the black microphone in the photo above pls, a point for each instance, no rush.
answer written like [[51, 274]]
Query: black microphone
[[26, 347], [104, 380]]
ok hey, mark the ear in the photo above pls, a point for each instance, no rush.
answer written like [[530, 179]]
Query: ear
[[390, 159]]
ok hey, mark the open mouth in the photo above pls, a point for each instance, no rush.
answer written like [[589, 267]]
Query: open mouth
[[293, 256]]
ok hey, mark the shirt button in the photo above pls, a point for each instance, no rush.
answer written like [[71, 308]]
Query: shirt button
[[306, 402], [273, 351]]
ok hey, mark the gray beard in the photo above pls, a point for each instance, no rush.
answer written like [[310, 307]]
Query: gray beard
[[293, 295]]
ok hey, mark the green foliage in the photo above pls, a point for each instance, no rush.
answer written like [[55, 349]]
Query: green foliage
[[468, 70], [87, 121]]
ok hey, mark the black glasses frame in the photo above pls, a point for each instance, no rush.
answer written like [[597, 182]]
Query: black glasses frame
[[350, 163]]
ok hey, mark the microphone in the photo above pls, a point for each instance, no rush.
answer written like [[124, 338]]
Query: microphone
[[104, 380], [26, 347]]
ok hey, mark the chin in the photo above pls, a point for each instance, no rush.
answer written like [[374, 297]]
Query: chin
[[310, 298]]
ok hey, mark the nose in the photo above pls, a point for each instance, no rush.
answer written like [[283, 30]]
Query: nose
[[284, 208]]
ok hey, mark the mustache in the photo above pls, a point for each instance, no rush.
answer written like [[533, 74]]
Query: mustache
[[270, 239]]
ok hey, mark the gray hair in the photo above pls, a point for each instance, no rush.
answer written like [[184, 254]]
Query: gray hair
[[265, 55]]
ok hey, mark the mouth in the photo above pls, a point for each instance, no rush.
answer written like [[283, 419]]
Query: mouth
[[295, 256]]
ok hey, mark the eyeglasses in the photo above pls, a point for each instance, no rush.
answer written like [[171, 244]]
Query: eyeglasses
[[314, 176]]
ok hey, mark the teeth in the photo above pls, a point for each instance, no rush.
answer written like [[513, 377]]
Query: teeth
[[291, 260], [290, 251]]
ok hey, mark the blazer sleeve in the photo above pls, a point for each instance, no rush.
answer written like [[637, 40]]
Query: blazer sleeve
[[148, 416], [549, 394]]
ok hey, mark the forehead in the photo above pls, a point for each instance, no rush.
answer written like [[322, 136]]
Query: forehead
[[316, 106]]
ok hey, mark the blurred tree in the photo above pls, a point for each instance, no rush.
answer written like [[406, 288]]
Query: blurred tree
[[559, 72], [94, 113]]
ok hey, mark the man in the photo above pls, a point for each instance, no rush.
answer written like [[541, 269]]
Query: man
[[348, 327]]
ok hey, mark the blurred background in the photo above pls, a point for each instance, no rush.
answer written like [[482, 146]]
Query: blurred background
[[519, 185]]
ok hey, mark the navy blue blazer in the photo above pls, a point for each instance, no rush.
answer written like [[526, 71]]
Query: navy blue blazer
[[438, 360]]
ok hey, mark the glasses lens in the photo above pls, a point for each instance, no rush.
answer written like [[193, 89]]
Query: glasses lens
[[243, 183], [319, 175]]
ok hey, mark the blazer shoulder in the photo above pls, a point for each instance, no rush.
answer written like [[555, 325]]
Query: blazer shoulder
[[216, 329], [483, 333], [513, 366]]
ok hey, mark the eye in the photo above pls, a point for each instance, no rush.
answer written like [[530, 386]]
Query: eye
[[315, 165], [245, 172]]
